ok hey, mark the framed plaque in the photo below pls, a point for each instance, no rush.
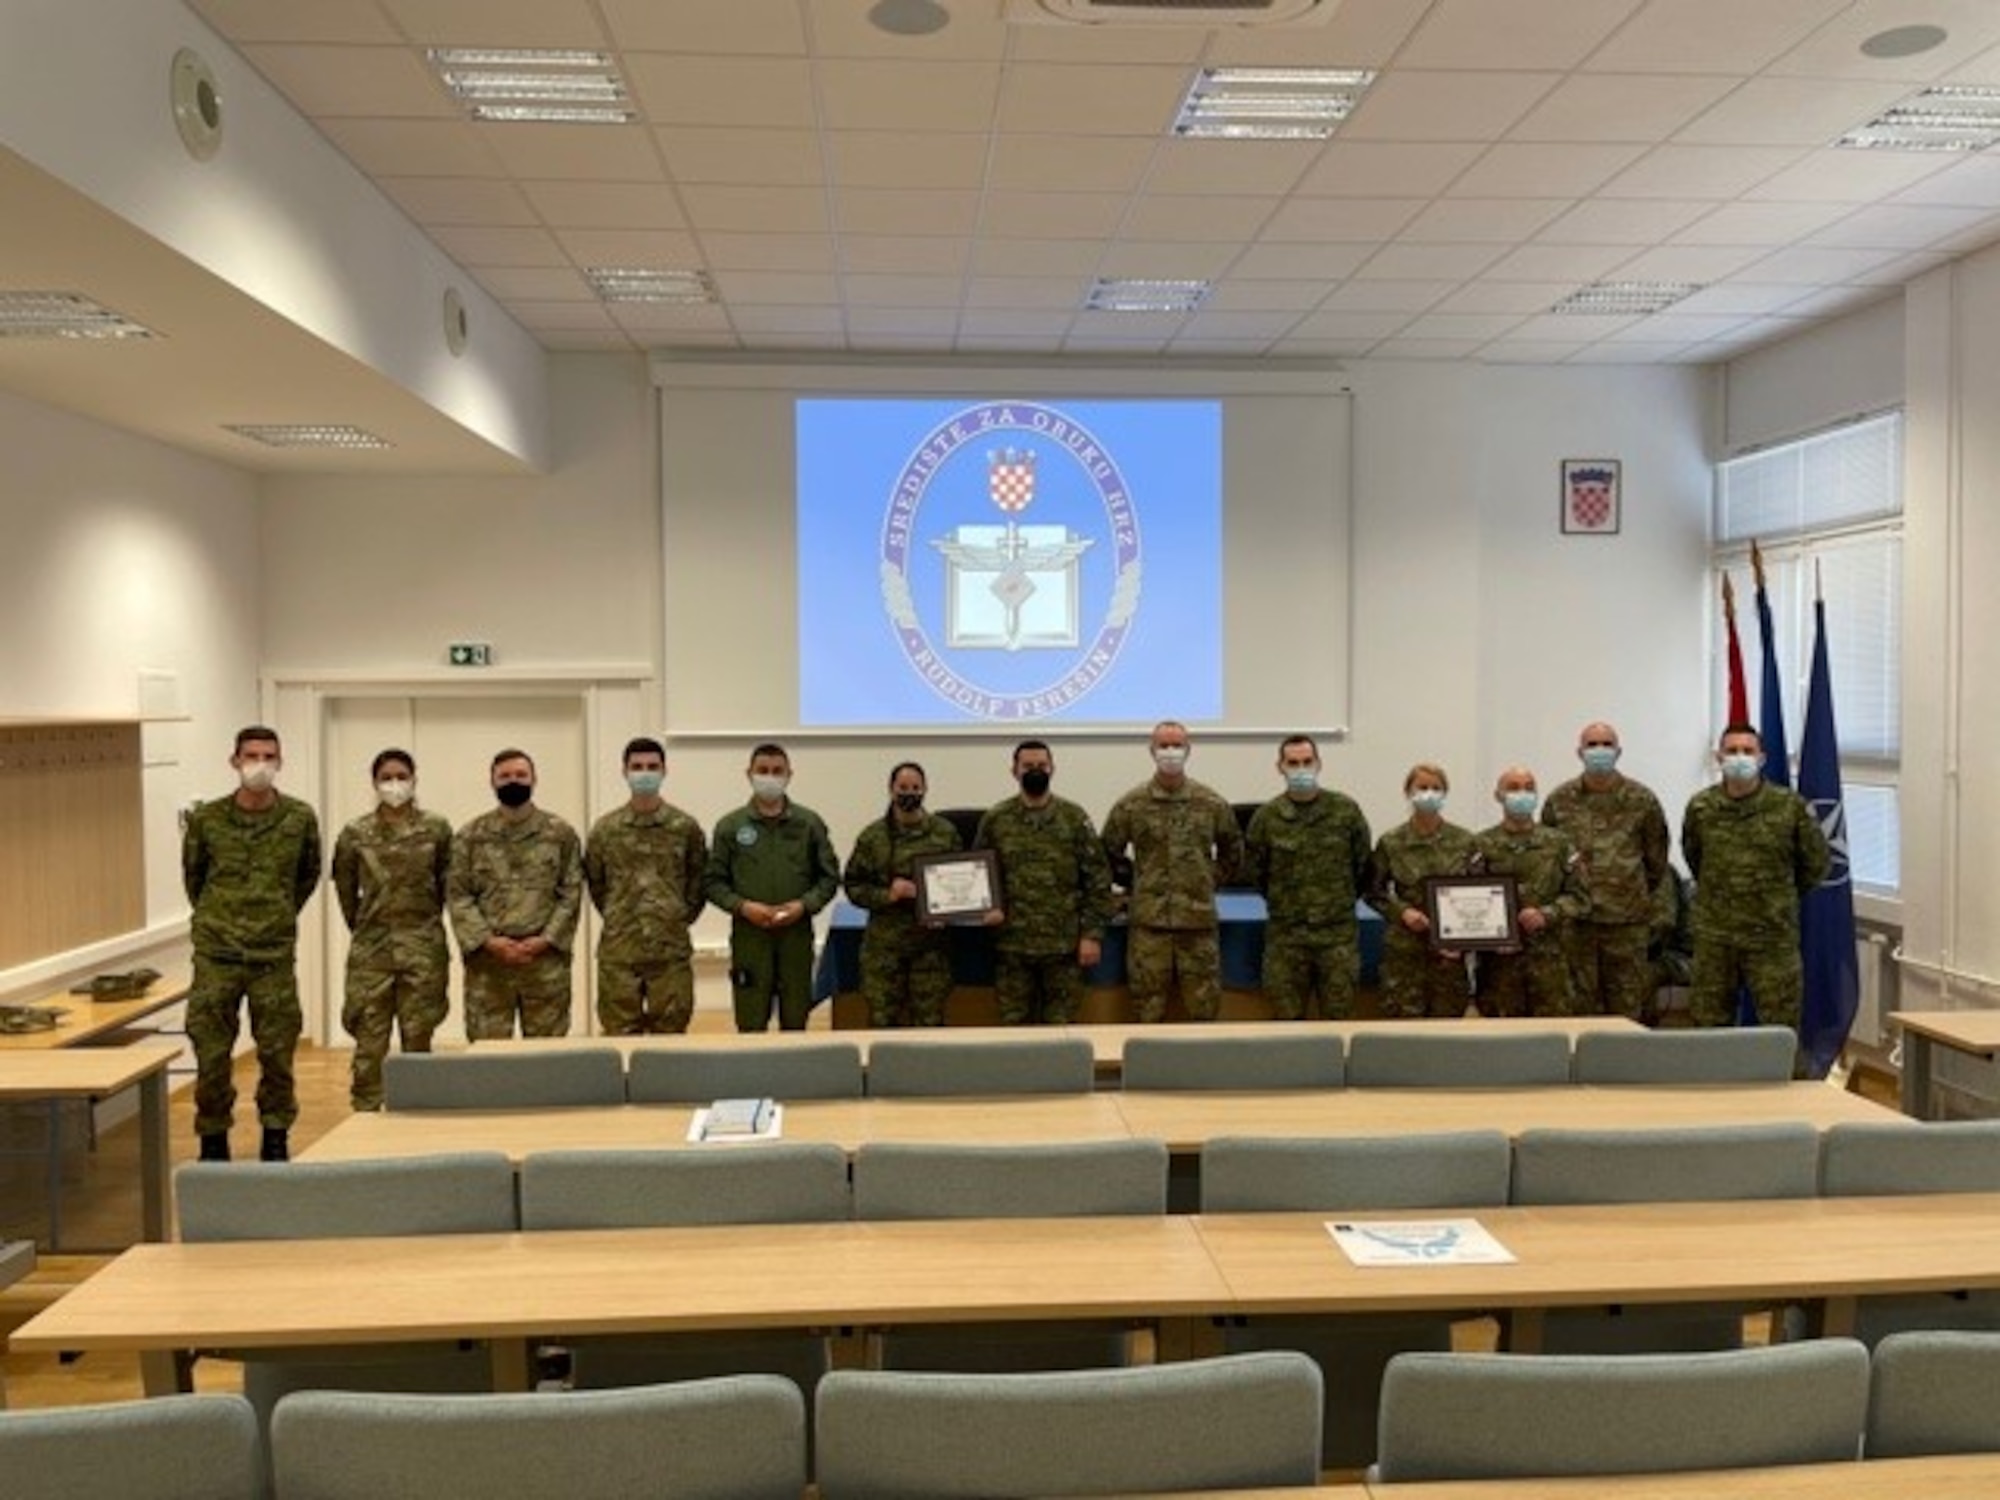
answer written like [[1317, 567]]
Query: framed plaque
[[1471, 912], [957, 888]]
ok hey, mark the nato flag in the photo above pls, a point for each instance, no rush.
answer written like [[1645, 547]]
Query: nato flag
[[1826, 917]]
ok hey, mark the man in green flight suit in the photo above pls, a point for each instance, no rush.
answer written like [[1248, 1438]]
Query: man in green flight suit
[[771, 866], [249, 862], [644, 863], [1307, 851]]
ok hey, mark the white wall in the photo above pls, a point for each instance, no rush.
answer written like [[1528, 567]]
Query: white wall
[[1848, 367], [123, 555]]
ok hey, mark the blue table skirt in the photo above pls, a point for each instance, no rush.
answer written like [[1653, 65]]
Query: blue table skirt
[[1241, 932]]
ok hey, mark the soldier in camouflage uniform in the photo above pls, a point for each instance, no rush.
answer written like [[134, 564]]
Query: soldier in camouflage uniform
[[1056, 888], [389, 870], [1754, 850], [905, 964], [771, 866], [644, 864], [1307, 851], [1418, 980], [1533, 979], [515, 891], [1617, 826], [249, 862], [1185, 843]]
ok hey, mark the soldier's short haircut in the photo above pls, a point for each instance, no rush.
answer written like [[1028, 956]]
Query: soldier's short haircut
[[511, 754], [403, 757], [1739, 728], [643, 744], [770, 747], [1041, 745], [251, 732], [1298, 739], [1426, 768]]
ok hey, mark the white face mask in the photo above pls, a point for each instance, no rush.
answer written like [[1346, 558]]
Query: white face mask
[[1428, 800], [1170, 758], [258, 775], [769, 788], [395, 791]]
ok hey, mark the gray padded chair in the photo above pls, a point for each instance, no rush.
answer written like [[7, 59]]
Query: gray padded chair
[[1251, 1421], [547, 1079], [1934, 1393], [698, 1075], [170, 1448], [1037, 1065], [467, 1193], [741, 1438], [1959, 1156], [1456, 1170], [1749, 1054], [1260, 1063], [910, 1181], [773, 1183], [1497, 1416], [1437, 1057], [1713, 1164]]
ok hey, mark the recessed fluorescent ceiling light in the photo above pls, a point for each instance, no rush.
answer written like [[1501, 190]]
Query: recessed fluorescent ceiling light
[[63, 315], [1270, 104], [639, 284], [307, 435], [1631, 297], [1952, 117], [564, 87], [1124, 295]]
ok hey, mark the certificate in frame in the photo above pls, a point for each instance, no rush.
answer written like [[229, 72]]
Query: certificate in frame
[[1469, 913], [960, 889]]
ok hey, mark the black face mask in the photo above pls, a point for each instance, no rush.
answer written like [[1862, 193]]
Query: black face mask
[[909, 801], [1035, 782], [514, 793]]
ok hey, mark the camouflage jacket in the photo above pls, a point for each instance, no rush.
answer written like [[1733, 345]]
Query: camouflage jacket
[[247, 874], [1185, 843], [1622, 835], [644, 871], [515, 877], [774, 860], [1310, 859], [1055, 882], [888, 851], [1547, 871], [389, 872], [1752, 859], [1404, 859]]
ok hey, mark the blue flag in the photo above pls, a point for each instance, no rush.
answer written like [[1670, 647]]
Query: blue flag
[[1770, 697], [1826, 916]]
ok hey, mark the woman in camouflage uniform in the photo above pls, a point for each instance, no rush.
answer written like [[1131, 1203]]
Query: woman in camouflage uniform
[[1416, 979], [905, 965]]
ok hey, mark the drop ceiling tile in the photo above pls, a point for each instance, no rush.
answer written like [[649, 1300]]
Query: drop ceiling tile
[[1218, 167], [1032, 257], [328, 82], [1568, 327], [1815, 265], [1069, 164], [582, 340], [1401, 348], [1543, 170], [578, 153], [782, 288], [1834, 51], [1408, 297], [414, 148], [1527, 34], [899, 159], [499, 247], [900, 254], [1039, 292], [1900, 270], [1517, 297], [905, 211], [1768, 224], [245, 21], [498, 23], [1717, 172], [767, 320], [1832, 176], [567, 314], [768, 252], [1262, 327], [1711, 36], [1972, 183], [920, 322], [907, 95], [1127, 327], [1571, 264], [1743, 299], [1529, 352], [1385, 169], [1308, 262], [1893, 226], [1241, 295], [975, 323], [1341, 220], [749, 92], [1445, 106], [1037, 98], [1700, 264], [535, 284], [1166, 262], [794, 210], [1504, 221], [1192, 218], [605, 205], [1476, 327], [459, 200], [630, 247], [844, 30], [902, 291], [1789, 112], [1053, 216], [706, 153], [670, 317], [796, 342], [1356, 36], [1055, 42], [1675, 327], [1624, 221], [1598, 109], [1409, 262], [772, 27]]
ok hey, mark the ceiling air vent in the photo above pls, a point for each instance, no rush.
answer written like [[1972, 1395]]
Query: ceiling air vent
[[1210, 14]]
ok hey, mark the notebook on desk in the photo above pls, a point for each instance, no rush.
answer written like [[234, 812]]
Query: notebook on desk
[[737, 1120]]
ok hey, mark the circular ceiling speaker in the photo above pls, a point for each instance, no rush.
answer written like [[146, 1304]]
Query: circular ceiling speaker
[[197, 104], [1904, 41], [457, 325]]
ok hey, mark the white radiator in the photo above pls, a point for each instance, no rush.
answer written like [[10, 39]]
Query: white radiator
[[1879, 988]]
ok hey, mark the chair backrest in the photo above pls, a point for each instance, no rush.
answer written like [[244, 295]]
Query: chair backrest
[[1673, 1165], [1494, 1416], [1748, 1054], [1439, 1059], [1956, 1156], [1306, 1061], [540, 1079], [893, 1180], [1038, 1065], [777, 1182], [169, 1448], [1460, 1169], [1932, 1392], [465, 1193], [741, 1437], [1245, 1421], [697, 1075]]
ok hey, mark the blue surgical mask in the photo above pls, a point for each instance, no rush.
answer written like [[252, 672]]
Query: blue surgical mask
[[1429, 800], [1740, 766], [645, 783], [1302, 779], [1598, 759], [1520, 804]]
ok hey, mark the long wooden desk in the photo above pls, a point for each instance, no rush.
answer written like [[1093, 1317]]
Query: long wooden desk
[[95, 1073], [86, 1020], [1976, 1033], [1968, 1476]]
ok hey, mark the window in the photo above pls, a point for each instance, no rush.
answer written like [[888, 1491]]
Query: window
[[1827, 511]]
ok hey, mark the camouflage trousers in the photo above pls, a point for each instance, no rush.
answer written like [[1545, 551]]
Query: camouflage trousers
[[655, 995], [1610, 972], [905, 977], [1416, 982], [1533, 982], [412, 1001], [767, 964], [1037, 987], [1311, 970], [214, 1015], [1772, 971], [1157, 957], [495, 993]]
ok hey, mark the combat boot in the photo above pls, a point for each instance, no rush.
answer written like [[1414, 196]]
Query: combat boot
[[215, 1147], [277, 1146]]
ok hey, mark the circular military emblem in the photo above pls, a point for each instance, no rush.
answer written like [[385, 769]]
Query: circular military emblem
[[1010, 560], [746, 835], [1831, 815]]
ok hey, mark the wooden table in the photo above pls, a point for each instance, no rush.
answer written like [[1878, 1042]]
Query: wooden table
[[1970, 1476], [1976, 1033], [95, 1073], [86, 1020]]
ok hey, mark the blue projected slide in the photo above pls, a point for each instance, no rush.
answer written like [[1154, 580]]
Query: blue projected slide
[[1009, 561]]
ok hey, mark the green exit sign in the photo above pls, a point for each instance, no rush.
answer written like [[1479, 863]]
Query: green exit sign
[[469, 654]]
